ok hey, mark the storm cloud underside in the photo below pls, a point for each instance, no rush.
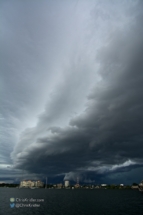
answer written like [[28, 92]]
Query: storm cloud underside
[[72, 99]]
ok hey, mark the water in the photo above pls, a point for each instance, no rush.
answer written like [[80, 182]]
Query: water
[[73, 202]]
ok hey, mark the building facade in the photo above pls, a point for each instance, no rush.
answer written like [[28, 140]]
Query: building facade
[[59, 185], [103, 185], [30, 183]]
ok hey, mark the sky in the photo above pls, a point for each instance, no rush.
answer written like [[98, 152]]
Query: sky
[[71, 101]]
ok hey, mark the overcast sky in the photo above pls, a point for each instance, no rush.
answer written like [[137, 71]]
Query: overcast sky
[[71, 90]]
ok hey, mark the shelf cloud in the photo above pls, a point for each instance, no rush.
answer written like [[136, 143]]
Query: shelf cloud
[[72, 75]]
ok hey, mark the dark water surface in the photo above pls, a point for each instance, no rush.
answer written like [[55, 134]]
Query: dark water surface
[[73, 202]]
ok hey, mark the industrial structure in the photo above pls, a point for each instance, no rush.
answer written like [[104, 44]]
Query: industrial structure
[[67, 183], [77, 183]]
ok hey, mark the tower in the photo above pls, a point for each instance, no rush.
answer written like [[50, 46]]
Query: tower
[[77, 181], [46, 183], [66, 183]]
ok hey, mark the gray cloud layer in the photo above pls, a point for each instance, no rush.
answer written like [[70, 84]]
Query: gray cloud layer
[[87, 68]]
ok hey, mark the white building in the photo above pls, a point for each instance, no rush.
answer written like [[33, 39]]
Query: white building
[[29, 183], [103, 185], [67, 183]]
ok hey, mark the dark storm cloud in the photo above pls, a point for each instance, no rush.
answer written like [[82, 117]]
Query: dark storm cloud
[[92, 123], [107, 137]]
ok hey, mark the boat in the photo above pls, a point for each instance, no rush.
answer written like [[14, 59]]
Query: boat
[[140, 186]]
